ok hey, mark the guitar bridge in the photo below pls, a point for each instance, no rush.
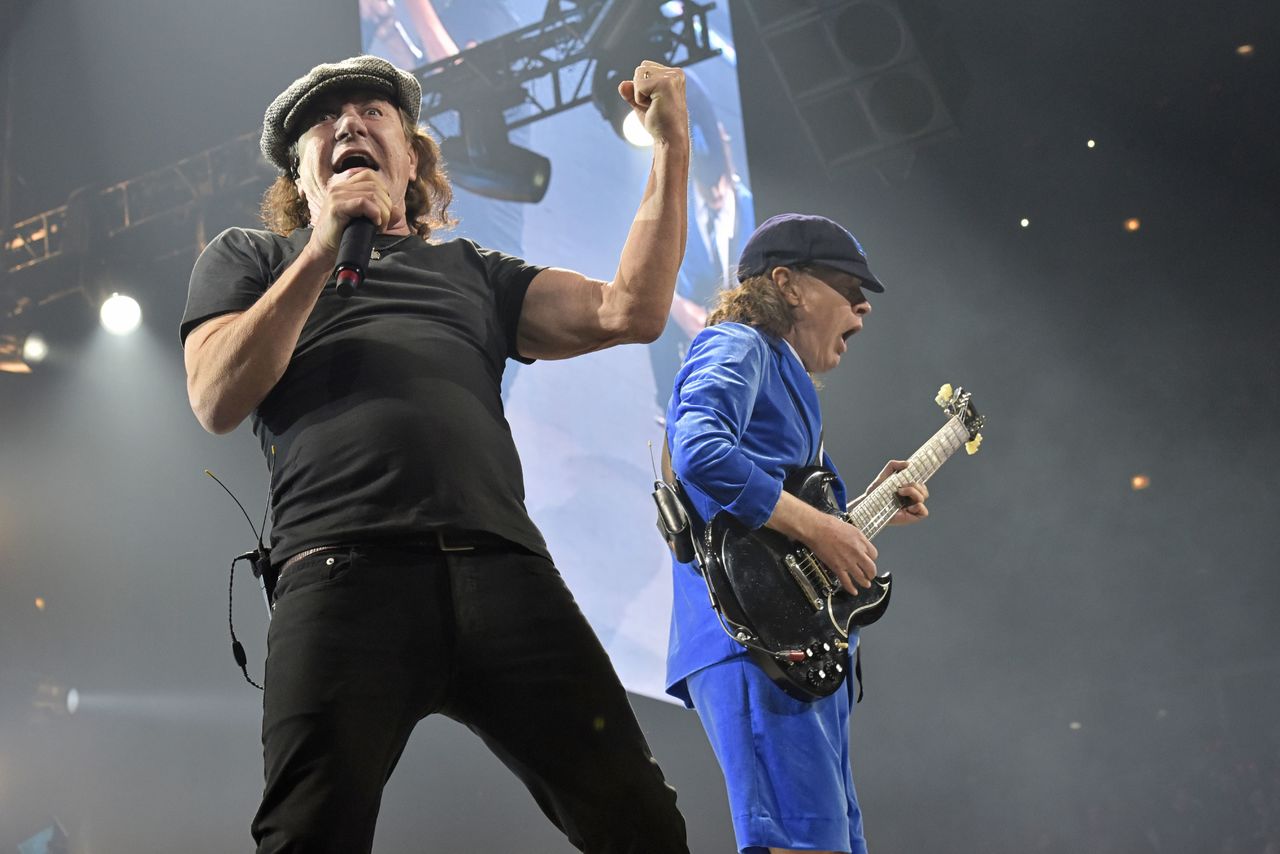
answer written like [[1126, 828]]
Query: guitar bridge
[[829, 584], [802, 581]]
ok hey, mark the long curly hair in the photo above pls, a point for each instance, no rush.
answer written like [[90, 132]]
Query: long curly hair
[[756, 301], [426, 199]]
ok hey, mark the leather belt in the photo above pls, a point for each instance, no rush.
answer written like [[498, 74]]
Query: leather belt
[[442, 541]]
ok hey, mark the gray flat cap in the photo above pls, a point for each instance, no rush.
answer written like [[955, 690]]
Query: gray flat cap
[[366, 73]]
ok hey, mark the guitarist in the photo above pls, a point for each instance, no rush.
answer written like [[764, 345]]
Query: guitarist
[[743, 415]]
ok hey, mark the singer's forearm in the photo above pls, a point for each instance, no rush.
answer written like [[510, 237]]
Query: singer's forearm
[[234, 361], [643, 286]]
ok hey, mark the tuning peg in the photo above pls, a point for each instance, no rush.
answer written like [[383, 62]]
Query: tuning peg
[[944, 395], [973, 444]]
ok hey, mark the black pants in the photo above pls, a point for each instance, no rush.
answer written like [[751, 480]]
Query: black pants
[[365, 642]]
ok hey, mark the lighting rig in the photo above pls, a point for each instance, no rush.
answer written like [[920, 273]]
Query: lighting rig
[[471, 100]]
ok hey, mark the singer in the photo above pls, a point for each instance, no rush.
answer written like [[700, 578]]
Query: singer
[[412, 580]]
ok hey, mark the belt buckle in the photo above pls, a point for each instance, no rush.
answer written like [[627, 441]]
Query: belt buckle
[[445, 547]]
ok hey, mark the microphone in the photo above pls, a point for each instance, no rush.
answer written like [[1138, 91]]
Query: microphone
[[353, 255]]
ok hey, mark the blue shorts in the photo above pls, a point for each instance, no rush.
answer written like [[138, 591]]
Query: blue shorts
[[785, 761]]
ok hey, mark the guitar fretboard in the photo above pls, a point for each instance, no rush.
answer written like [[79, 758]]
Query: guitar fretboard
[[874, 511]]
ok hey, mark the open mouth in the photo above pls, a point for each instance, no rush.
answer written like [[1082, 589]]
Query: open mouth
[[848, 334], [355, 160]]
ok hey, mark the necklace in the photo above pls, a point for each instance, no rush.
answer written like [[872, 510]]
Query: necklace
[[376, 254]]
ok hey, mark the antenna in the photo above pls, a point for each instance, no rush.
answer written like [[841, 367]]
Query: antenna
[[255, 530]]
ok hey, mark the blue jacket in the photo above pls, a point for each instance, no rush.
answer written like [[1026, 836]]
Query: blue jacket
[[743, 415]]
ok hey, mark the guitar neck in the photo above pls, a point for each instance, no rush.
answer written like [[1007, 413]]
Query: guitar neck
[[874, 511]]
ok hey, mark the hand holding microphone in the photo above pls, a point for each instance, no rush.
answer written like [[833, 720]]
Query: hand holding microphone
[[354, 251], [355, 207]]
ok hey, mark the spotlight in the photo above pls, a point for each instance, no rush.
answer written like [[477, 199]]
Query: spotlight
[[1139, 482], [621, 38], [34, 349], [483, 160], [1132, 224], [121, 314], [1245, 50], [1024, 222], [11, 357], [1091, 143], [55, 700], [633, 131], [604, 94]]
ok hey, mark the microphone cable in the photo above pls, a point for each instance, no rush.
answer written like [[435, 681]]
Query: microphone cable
[[259, 560]]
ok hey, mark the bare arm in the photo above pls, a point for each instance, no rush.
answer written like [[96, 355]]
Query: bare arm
[[234, 360], [565, 313], [435, 38]]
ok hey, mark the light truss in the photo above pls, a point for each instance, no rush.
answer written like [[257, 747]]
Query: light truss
[[107, 213], [543, 69], [33, 240]]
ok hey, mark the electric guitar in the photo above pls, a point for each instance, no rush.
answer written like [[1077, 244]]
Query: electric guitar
[[777, 599]]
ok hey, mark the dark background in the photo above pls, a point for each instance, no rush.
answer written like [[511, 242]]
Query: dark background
[[1068, 665]]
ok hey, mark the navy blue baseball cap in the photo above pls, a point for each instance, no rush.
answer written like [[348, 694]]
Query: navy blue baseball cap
[[792, 239]]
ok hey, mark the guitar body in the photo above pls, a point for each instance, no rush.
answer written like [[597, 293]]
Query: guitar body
[[787, 609]]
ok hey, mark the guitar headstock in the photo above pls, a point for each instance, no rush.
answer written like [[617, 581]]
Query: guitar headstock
[[958, 403]]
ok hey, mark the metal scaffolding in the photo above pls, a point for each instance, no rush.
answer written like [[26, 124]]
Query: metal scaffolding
[[548, 66], [531, 73]]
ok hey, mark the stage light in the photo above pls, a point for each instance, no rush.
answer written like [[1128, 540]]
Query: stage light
[[1132, 224], [56, 700], [621, 37], [1075, 726], [604, 94], [1024, 222], [1091, 144], [34, 349], [40, 603], [121, 314], [12, 356], [633, 131], [1245, 50], [1139, 482], [483, 160]]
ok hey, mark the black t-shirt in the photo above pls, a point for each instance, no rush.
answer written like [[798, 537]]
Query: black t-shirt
[[388, 422]]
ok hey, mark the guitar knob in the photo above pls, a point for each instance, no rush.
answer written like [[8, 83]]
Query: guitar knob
[[821, 677]]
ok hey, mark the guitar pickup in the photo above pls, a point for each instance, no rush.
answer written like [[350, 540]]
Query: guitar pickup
[[801, 579]]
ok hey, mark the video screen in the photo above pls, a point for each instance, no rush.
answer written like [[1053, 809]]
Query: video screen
[[590, 429]]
